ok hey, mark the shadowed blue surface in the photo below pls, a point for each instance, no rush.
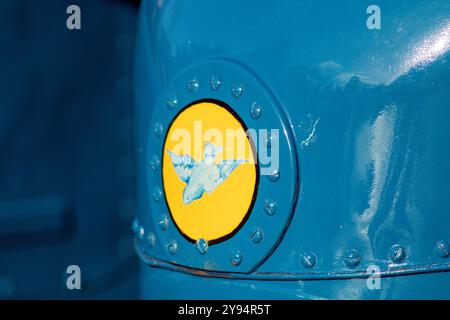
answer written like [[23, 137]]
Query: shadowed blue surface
[[66, 141]]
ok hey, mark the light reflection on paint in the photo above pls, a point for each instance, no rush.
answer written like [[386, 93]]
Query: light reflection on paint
[[427, 51], [373, 150], [381, 135]]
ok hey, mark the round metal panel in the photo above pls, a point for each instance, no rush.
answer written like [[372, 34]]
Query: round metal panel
[[227, 84]]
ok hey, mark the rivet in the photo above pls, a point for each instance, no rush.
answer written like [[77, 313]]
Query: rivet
[[172, 247], [151, 239], [274, 176], [135, 226], [237, 90], [172, 101], [257, 235], [158, 129], [397, 253], [215, 82], [442, 248], [202, 245], [352, 258], [154, 162], [193, 85], [157, 194], [255, 110], [140, 232], [163, 222], [270, 207], [235, 257], [138, 229], [308, 259]]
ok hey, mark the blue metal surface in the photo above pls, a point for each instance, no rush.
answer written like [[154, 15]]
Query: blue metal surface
[[160, 284], [367, 110]]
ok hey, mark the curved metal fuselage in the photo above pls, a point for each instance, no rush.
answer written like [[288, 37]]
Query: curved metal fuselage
[[363, 185]]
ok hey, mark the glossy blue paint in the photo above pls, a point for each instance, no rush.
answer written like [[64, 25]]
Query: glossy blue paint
[[367, 112]]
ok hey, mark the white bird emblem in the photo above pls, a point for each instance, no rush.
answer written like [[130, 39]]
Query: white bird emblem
[[202, 176]]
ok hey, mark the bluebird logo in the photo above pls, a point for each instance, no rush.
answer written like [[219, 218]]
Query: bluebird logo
[[202, 176], [211, 168]]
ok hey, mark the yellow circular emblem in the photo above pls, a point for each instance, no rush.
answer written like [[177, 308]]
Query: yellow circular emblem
[[209, 171]]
